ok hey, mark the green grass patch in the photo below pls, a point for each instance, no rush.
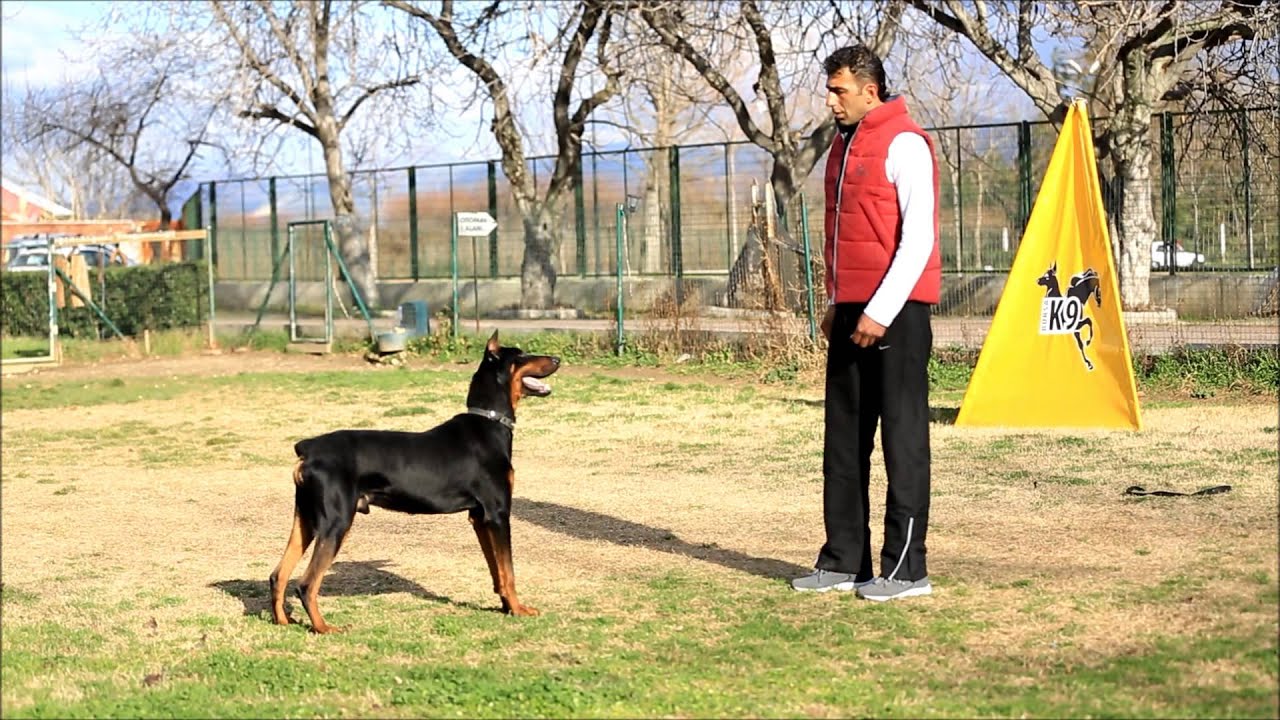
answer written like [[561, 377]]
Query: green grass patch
[[692, 648]]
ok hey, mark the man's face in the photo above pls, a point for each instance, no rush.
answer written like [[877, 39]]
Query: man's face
[[849, 97]]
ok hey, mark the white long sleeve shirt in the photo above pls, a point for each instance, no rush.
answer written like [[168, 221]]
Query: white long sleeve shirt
[[909, 166]]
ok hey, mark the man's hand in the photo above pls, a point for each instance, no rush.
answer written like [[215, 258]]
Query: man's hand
[[868, 332], [827, 320]]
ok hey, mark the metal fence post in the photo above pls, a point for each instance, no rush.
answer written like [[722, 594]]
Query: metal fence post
[[1024, 175], [275, 220], [244, 236], [493, 212], [213, 223], [1168, 194], [808, 268], [620, 225], [580, 219], [595, 208], [453, 261], [213, 338], [728, 205], [413, 224], [677, 254], [959, 205]]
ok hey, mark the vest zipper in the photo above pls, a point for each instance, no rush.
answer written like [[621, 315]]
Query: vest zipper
[[835, 237]]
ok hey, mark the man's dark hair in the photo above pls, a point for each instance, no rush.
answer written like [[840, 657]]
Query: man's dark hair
[[861, 62]]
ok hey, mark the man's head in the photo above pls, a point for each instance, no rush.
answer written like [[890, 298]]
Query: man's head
[[855, 83]]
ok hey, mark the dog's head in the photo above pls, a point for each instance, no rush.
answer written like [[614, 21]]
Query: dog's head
[[1050, 276], [507, 374]]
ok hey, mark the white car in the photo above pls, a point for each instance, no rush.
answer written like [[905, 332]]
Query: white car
[[36, 259], [1182, 258]]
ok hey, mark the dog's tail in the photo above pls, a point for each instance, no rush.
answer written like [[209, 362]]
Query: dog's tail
[[300, 449]]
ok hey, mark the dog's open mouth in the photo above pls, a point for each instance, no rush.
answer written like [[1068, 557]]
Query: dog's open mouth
[[534, 386]]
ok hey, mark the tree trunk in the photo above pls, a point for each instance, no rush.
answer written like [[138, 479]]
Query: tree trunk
[[539, 269], [351, 241], [1133, 214], [655, 217], [747, 264], [1135, 225]]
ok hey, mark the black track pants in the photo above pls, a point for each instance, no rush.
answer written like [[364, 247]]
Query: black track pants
[[887, 382]]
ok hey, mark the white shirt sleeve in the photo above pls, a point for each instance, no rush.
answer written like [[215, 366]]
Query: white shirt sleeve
[[909, 166]]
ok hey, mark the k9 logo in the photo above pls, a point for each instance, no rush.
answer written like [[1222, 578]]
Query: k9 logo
[[1063, 313], [1060, 315]]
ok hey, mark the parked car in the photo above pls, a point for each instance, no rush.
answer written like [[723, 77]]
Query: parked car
[[28, 255], [1182, 257]]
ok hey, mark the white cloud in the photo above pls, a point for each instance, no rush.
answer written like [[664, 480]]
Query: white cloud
[[37, 43]]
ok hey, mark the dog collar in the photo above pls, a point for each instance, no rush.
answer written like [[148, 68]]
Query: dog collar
[[495, 416]]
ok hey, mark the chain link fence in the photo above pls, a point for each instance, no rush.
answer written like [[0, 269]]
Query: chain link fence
[[691, 233]]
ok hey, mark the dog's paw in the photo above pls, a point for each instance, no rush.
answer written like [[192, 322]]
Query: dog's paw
[[523, 611], [326, 629]]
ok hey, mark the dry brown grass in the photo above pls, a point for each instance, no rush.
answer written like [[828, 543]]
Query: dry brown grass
[[1030, 536]]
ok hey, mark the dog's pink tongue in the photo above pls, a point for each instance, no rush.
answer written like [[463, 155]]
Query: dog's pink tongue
[[535, 384]]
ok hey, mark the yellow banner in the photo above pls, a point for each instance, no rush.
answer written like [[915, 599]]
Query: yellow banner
[[1057, 354]]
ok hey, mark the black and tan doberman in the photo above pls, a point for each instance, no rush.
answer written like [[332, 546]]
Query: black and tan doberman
[[461, 464]]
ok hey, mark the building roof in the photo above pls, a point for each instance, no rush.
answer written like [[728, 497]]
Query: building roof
[[30, 198]]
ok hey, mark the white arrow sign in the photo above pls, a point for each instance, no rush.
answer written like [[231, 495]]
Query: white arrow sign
[[475, 224]]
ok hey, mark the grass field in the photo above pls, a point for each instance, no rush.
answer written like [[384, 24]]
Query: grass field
[[658, 516]]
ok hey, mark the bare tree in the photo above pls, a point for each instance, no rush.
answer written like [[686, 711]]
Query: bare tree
[[774, 33], [664, 103], [76, 174], [127, 114], [1138, 56], [312, 67], [475, 42], [951, 86], [786, 41]]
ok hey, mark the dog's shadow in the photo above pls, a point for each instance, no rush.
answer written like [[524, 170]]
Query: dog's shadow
[[365, 577], [589, 525], [937, 415]]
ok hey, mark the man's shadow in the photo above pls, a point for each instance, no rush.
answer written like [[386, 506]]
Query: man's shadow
[[365, 577], [589, 525]]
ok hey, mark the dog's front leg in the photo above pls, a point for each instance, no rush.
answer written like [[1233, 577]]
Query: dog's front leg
[[500, 540]]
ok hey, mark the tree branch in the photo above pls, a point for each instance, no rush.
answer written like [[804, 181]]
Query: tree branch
[[505, 131], [370, 92], [287, 44], [267, 112], [251, 56], [657, 16], [1032, 76]]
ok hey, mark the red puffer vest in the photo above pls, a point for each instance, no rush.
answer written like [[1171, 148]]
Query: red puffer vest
[[863, 223]]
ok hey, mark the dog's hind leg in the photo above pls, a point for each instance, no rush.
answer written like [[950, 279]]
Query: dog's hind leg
[[299, 540], [328, 543], [309, 586], [1081, 343]]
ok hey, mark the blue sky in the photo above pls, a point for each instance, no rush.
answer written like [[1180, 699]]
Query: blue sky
[[36, 38]]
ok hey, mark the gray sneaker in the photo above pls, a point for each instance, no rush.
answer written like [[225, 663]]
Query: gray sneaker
[[881, 589], [825, 580]]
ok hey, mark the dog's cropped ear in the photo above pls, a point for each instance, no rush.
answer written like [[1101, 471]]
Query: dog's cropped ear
[[492, 347]]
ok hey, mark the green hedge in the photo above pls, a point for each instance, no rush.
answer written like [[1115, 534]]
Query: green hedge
[[153, 297]]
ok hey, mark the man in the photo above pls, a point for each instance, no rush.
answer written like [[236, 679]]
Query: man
[[883, 273]]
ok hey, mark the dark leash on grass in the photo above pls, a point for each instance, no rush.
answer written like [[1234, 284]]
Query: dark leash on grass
[[1139, 490]]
